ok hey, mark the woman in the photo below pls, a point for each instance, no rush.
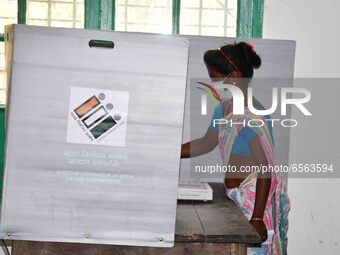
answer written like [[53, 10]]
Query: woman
[[260, 196]]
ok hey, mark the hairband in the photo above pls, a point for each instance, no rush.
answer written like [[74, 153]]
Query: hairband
[[229, 61], [250, 46]]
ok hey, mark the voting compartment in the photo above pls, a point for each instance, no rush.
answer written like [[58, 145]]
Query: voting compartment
[[277, 70], [94, 130]]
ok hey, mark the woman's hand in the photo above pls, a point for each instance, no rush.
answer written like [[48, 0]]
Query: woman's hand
[[260, 228]]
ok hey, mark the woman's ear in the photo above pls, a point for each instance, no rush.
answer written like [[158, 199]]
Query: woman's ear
[[219, 75], [215, 74], [236, 75]]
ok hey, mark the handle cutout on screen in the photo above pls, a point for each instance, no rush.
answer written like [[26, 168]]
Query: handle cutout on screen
[[101, 44]]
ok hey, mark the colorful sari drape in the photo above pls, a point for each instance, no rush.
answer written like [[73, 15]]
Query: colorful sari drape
[[278, 204]]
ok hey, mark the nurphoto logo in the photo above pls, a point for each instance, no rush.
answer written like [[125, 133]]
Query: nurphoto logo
[[239, 102]]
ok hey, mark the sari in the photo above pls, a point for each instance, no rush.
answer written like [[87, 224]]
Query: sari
[[278, 204]]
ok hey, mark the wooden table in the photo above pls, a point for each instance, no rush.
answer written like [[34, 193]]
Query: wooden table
[[210, 228]]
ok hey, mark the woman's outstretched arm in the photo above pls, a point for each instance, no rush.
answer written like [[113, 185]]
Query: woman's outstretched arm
[[200, 146]]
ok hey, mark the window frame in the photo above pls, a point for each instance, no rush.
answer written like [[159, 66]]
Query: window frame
[[21, 18], [100, 14], [250, 18]]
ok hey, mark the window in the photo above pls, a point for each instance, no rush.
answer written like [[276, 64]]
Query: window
[[197, 17], [208, 17], [194, 17], [55, 13], [144, 16], [8, 13]]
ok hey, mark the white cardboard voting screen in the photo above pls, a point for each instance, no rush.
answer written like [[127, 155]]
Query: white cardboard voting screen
[[277, 70], [93, 136]]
